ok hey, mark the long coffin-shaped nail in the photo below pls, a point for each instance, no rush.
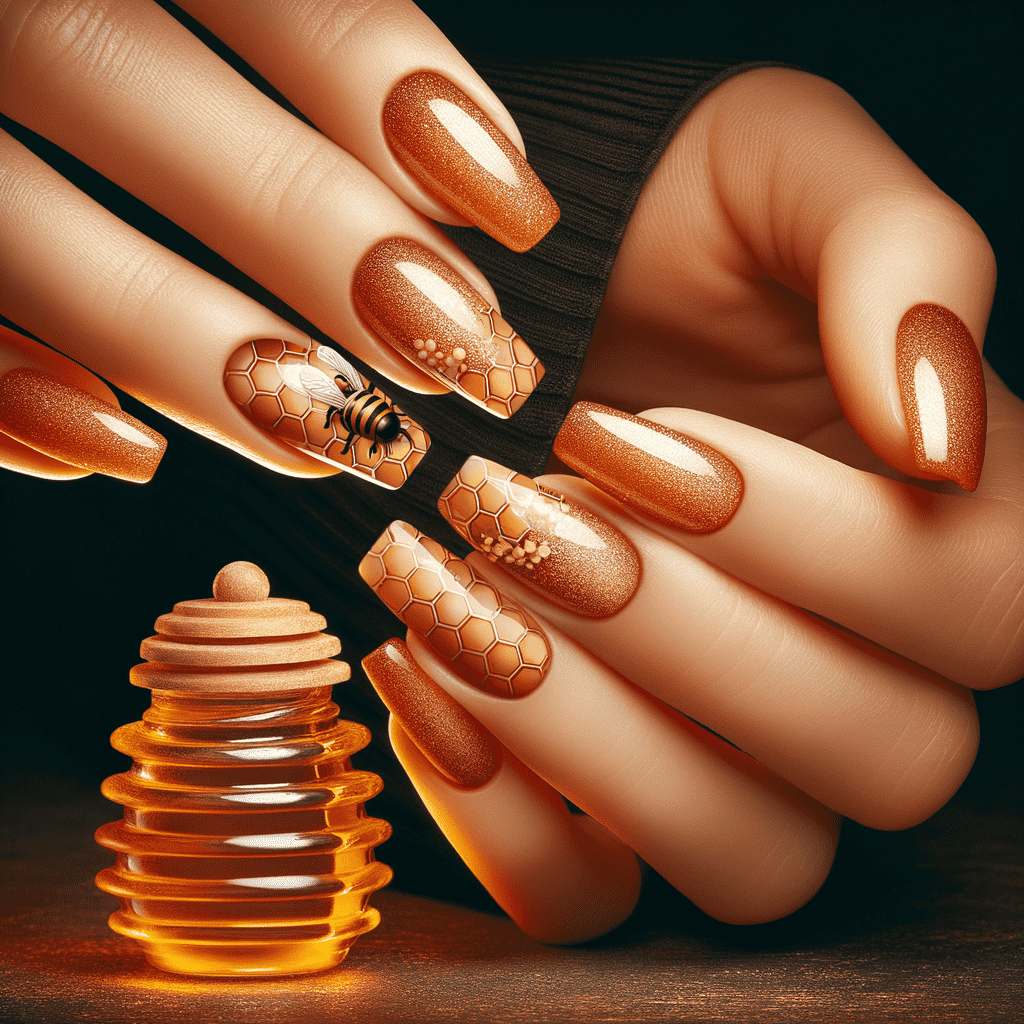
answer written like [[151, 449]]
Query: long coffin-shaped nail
[[460, 156], [427, 312], [493, 643], [446, 733], [571, 556], [668, 476], [943, 393], [66, 423], [316, 400]]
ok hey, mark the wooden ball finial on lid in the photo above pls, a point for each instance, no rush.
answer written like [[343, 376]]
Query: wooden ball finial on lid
[[240, 641], [241, 581]]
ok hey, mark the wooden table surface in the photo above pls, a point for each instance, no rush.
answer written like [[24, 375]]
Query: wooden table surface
[[918, 926]]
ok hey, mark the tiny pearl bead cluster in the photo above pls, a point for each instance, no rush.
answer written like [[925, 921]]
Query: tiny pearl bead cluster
[[432, 355], [526, 555]]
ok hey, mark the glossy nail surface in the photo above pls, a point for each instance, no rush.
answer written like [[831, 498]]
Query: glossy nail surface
[[943, 393], [574, 558], [459, 155], [668, 476], [446, 733], [493, 643], [76, 427], [317, 401], [422, 308]]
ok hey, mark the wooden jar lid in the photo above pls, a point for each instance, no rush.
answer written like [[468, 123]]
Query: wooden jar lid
[[240, 641]]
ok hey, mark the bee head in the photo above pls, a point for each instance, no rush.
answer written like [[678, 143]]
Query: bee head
[[388, 427]]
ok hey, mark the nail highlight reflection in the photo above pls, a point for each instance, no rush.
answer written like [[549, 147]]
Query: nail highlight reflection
[[460, 156], [446, 733], [668, 476], [574, 558], [318, 402], [422, 308], [493, 643], [943, 393]]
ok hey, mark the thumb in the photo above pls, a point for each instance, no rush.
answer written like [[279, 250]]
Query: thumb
[[902, 276]]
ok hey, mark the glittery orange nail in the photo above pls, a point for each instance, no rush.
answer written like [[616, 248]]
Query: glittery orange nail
[[574, 558], [447, 734], [318, 402], [493, 643], [460, 156], [66, 423], [943, 393], [674, 479], [420, 306]]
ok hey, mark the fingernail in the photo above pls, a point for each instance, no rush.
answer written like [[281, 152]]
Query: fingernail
[[422, 308], [674, 479], [460, 156], [66, 423], [493, 643], [552, 544], [943, 393], [450, 738], [314, 399]]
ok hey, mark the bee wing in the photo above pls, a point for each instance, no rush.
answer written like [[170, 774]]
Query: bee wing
[[313, 383], [345, 368]]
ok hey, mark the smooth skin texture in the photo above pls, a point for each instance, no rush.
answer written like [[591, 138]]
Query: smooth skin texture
[[762, 279]]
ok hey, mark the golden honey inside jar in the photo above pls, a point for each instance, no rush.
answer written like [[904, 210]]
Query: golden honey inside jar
[[245, 848]]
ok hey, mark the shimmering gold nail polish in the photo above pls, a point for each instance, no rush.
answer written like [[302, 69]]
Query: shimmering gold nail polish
[[943, 393], [76, 427], [566, 552], [674, 479], [446, 733], [460, 156], [422, 308], [493, 643], [314, 399]]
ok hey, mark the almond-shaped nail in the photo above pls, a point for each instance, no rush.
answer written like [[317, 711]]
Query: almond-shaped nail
[[316, 400], [76, 427], [421, 307], [450, 738], [459, 155], [943, 393], [571, 556], [491, 642], [674, 479]]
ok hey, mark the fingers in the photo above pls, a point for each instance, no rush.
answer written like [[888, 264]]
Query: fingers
[[741, 843], [903, 277], [868, 734], [177, 338], [60, 422], [938, 578], [561, 877], [380, 80], [185, 133]]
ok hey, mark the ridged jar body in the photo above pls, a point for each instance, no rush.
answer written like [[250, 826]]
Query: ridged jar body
[[245, 848]]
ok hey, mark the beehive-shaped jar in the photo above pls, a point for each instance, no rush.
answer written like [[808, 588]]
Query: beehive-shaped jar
[[245, 849]]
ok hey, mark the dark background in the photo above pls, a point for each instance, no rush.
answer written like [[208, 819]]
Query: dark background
[[87, 566]]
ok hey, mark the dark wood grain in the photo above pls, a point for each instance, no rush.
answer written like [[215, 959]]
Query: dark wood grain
[[920, 926]]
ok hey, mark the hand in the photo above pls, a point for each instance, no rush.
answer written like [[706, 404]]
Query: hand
[[332, 222], [773, 578]]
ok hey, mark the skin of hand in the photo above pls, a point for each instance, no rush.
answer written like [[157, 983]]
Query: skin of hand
[[757, 358]]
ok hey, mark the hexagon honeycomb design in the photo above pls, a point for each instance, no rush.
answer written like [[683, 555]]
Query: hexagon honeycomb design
[[253, 380], [494, 643]]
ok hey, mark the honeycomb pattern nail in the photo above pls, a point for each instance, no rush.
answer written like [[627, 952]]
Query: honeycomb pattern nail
[[318, 402], [493, 643], [574, 558], [427, 312]]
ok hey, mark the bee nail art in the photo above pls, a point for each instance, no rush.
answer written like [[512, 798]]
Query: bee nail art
[[491, 642], [427, 312], [574, 558], [317, 401]]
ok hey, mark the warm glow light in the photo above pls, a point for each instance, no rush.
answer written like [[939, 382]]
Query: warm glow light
[[668, 449], [475, 141], [125, 430], [931, 410], [440, 293]]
